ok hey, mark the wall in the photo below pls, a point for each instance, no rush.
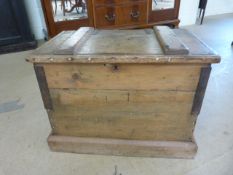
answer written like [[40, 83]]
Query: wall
[[216, 7], [188, 12], [189, 9], [36, 17]]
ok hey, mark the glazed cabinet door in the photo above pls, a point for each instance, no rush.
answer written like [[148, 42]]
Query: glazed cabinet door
[[164, 11], [63, 15]]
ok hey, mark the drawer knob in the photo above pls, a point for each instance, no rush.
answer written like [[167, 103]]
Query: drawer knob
[[135, 14], [110, 18]]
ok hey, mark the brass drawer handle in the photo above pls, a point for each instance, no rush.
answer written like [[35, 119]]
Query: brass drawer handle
[[110, 18], [135, 14]]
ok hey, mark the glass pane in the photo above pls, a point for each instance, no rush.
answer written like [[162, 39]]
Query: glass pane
[[64, 10], [162, 4]]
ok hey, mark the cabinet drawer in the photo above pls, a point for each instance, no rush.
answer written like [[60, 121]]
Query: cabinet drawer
[[114, 2], [106, 16], [131, 14]]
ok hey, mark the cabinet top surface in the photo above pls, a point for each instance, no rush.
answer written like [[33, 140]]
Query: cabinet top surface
[[158, 45]]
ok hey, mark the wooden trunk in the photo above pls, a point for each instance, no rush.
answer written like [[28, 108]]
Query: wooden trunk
[[124, 92]]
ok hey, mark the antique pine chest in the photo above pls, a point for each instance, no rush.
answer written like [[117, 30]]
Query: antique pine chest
[[124, 92]]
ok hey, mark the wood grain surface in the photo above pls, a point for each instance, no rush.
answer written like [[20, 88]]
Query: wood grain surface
[[144, 115], [123, 76], [121, 46], [122, 147], [169, 42]]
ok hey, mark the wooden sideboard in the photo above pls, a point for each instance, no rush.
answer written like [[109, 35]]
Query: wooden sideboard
[[109, 14], [132, 14]]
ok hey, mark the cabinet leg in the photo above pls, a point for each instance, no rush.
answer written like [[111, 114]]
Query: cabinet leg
[[203, 15]]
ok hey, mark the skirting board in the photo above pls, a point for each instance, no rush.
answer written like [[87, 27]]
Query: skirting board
[[119, 147]]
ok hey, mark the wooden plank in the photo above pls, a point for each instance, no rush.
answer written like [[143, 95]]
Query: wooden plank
[[120, 42], [125, 59], [120, 147], [169, 42], [123, 114], [83, 96], [201, 88], [123, 76], [195, 45], [122, 109], [42, 82], [53, 44], [124, 125], [74, 40]]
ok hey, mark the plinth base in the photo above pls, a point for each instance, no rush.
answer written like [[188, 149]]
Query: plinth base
[[119, 147]]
